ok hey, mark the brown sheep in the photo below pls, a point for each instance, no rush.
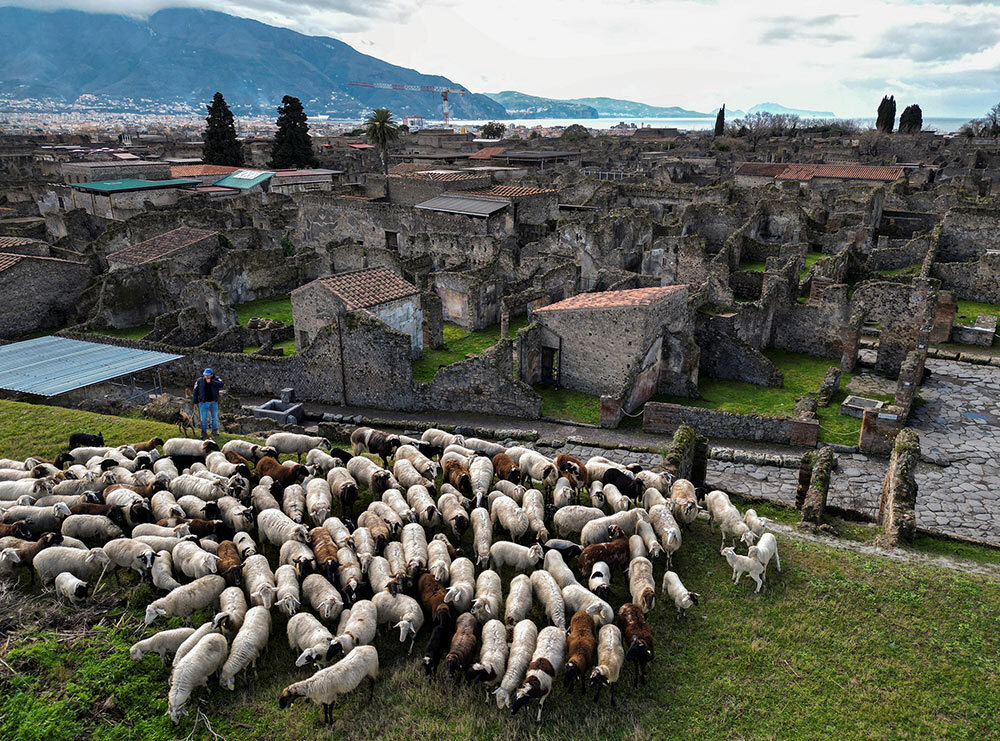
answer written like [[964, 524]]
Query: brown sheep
[[17, 529], [325, 551], [506, 469], [581, 642], [148, 446], [237, 460], [146, 492], [637, 639], [573, 469], [204, 528], [458, 476], [377, 527], [113, 512], [432, 598], [281, 475], [368, 440], [614, 553], [463, 646], [230, 564]]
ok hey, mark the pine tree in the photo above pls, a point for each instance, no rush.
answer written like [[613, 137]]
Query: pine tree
[[220, 145], [886, 120], [720, 121], [911, 120], [292, 143]]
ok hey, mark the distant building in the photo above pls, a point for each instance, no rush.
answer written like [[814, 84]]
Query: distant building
[[651, 133], [303, 181], [764, 173], [189, 250], [245, 180], [113, 199], [114, 169], [38, 292], [375, 291], [415, 123]]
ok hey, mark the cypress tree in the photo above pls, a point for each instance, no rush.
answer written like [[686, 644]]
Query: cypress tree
[[886, 120], [292, 143], [720, 121], [220, 146], [911, 120]]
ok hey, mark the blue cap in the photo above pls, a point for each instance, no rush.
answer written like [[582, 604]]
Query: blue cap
[[208, 372]]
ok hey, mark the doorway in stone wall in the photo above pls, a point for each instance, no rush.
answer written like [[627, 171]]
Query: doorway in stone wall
[[550, 365]]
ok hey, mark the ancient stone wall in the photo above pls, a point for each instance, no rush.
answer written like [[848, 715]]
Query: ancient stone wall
[[38, 294], [724, 355], [659, 418], [898, 500], [966, 233]]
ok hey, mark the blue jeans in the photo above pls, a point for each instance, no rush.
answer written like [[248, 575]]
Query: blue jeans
[[206, 408]]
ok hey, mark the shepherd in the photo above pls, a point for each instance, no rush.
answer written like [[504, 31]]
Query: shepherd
[[206, 396]]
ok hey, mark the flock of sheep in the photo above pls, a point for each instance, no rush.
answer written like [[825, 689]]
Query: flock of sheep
[[181, 514]]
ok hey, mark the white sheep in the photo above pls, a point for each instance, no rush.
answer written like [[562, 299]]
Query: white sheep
[[165, 643], [419, 498], [570, 520], [248, 645], [577, 597], [162, 531], [644, 531], [511, 517], [489, 596], [641, 584], [548, 594], [519, 557], [39, 519], [275, 527], [482, 534], [522, 648], [533, 504], [258, 579], [193, 671], [339, 532], [90, 527], [439, 558], [512, 490], [308, 637], [54, 560], [186, 599], [289, 597], [298, 555], [420, 462], [610, 659], [193, 561], [162, 572], [379, 576], [667, 530], [182, 446], [651, 497], [462, 577], [722, 511], [617, 501], [599, 581], [70, 588], [518, 603], [562, 494], [328, 683], [234, 514], [250, 451], [244, 544], [599, 530], [318, 460], [349, 574], [393, 553], [322, 596], [394, 499], [684, 501], [556, 566], [765, 549], [414, 540], [293, 503], [492, 656], [195, 486], [130, 554], [232, 609], [197, 508], [550, 651], [452, 512], [364, 547], [290, 442], [658, 481], [744, 565], [537, 467], [756, 523], [597, 494], [682, 598], [358, 630]]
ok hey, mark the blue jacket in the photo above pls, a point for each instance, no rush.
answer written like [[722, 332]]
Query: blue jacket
[[205, 390]]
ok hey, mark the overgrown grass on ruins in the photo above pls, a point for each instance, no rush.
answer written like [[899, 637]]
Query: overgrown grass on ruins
[[839, 645], [127, 333], [277, 307], [460, 343], [566, 404], [968, 311]]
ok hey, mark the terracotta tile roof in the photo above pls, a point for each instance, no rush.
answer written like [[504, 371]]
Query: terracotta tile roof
[[805, 172], [486, 153], [405, 168], [508, 191], [614, 299], [361, 289], [444, 176], [9, 260], [193, 171], [159, 246], [7, 242]]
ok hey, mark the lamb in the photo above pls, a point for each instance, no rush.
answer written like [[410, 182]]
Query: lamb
[[522, 649], [764, 551], [349, 574], [518, 603], [367, 440], [456, 474], [423, 465], [684, 501], [617, 501], [39, 519], [453, 513], [326, 684], [309, 637], [615, 553], [322, 596], [667, 530], [492, 656], [162, 572], [599, 530], [600, 580], [85, 565], [641, 584], [418, 496], [577, 597], [289, 596], [489, 596], [70, 588], [433, 598], [537, 467], [187, 598], [439, 558], [519, 557], [556, 566], [365, 472], [755, 523], [610, 659], [463, 646], [194, 670], [281, 475], [637, 639], [581, 642], [275, 527], [548, 594], [248, 645], [130, 554], [546, 661], [402, 611], [533, 504], [289, 442], [194, 561], [512, 518], [165, 643], [462, 584], [259, 581], [505, 468]]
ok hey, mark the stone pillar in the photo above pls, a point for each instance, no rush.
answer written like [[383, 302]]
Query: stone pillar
[[814, 504], [879, 428], [805, 477], [504, 323], [611, 412], [897, 504], [944, 317], [679, 457]]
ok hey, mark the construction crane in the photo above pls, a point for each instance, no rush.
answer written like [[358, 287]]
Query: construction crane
[[417, 89]]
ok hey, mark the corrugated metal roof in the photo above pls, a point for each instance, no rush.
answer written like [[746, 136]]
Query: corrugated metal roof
[[244, 179], [465, 206], [117, 186], [48, 366]]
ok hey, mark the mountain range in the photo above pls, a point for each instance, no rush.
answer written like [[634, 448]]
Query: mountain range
[[176, 59]]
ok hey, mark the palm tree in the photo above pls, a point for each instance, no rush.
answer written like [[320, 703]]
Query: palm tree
[[382, 130]]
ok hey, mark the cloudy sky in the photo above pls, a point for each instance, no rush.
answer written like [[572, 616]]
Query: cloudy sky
[[943, 54]]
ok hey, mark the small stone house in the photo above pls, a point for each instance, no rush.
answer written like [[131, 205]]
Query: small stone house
[[375, 291], [188, 250], [38, 292]]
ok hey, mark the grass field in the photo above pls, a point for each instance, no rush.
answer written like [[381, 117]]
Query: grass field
[[288, 346], [274, 307], [968, 311], [838, 646], [458, 344], [574, 406]]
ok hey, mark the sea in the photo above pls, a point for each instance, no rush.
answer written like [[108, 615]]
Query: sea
[[941, 125]]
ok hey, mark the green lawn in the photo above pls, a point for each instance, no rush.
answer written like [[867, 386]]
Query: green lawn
[[128, 333], [758, 267], [803, 375], [969, 310], [574, 406], [811, 259], [288, 346], [839, 645], [907, 270], [274, 307], [458, 344]]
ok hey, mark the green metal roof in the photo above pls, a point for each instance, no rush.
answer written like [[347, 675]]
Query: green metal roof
[[244, 179], [117, 186]]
